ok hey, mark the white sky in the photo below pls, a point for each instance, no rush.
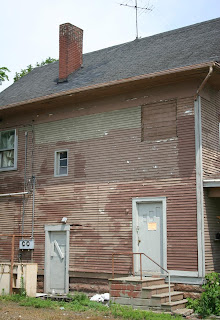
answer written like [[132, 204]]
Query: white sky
[[29, 29]]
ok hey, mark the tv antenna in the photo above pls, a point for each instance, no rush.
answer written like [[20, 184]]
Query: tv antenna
[[136, 7]]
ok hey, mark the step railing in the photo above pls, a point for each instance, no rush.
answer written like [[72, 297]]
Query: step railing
[[141, 275]]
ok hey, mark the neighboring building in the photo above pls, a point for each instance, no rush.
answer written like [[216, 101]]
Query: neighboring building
[[123, 143]]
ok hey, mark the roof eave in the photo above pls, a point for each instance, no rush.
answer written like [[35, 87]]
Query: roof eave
[[114, 83]]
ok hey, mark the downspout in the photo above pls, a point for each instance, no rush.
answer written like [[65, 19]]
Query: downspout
[[204, 81], [199, 177]]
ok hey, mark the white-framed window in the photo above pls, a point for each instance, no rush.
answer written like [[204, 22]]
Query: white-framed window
[[61, 163], [8, 150]]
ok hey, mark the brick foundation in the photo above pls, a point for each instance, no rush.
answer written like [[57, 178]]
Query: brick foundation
[[117, 289], [189, 290], [88, 285]]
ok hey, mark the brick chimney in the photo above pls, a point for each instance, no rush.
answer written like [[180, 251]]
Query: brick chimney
[[70, 55]]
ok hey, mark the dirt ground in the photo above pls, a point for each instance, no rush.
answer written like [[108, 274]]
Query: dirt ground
[[12, 311]]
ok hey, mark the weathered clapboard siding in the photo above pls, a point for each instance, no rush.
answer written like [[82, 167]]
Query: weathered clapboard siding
[[211, 169], [109, 164], [210, 135]]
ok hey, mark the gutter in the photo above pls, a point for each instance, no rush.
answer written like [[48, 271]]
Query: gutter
[[112, 83]]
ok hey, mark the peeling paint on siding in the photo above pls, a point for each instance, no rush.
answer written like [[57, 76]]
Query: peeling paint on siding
[[88, 127]]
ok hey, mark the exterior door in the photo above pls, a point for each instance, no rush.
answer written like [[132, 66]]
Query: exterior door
[[56, 259], [149, 236]]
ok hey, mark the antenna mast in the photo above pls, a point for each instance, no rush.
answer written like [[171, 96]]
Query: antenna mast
[[136, 9]]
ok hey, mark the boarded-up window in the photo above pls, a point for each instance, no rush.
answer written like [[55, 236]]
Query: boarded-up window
[[159, 121]]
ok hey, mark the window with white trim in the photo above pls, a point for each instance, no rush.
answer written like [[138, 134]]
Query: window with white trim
[[8, 150], [61, 163]]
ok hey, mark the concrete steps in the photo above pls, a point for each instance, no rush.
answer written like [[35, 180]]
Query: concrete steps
[[147, 293], [159, 299], [174, 305]]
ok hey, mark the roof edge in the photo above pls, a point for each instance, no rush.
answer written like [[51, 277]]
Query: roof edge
[[112, 83]]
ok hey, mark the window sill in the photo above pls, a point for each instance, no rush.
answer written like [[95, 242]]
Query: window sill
[[60, 175], [8, 169]]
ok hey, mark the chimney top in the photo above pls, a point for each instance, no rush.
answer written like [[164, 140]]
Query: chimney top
[[70, 51]]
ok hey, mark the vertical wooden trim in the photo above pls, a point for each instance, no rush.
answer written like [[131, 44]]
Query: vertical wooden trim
[[67, 261], [47, 262], [12, 261], [199, 188]]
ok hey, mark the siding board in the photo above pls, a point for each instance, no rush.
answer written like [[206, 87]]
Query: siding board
[[211, 169], [108, 166]]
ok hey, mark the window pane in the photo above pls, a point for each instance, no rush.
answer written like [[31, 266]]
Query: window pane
[[63, 155], [7, 140], [63, 162], [7, 159], [63, 170]]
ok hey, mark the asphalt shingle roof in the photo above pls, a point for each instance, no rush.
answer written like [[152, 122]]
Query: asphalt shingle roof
[[186, 46]]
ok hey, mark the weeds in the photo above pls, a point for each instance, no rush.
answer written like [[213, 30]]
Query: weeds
[[128, 313], [209, 302], [22, 288], [80, 303]]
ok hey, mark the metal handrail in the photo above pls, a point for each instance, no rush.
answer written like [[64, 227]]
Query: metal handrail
[[140, 253]]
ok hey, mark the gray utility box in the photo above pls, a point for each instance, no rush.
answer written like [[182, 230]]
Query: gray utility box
[[26, 244]]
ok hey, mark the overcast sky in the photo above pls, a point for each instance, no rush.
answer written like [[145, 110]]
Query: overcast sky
[[29, 29]]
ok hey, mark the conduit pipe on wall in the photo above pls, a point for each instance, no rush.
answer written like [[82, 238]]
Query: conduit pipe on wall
[[33, 207], [25, 178], [14, 194]]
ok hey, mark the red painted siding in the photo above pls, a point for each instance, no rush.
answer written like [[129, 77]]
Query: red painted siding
[[106, 170]]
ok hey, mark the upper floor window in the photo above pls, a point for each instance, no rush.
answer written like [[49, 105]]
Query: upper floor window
[[7, 150], [61, 163]]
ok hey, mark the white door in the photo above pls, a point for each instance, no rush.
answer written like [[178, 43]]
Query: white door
[[57, 261], [148, 234], [56, 275]]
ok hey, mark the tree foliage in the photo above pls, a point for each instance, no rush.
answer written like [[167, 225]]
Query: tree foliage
[[29, 68], [3, 74]]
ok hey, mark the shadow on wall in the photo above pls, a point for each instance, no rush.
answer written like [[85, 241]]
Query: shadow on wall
[[212, 227]]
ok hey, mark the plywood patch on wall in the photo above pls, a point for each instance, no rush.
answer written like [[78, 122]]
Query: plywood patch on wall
[[159, 120]]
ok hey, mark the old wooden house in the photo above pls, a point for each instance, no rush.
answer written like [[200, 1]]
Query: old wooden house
[[113, 152]]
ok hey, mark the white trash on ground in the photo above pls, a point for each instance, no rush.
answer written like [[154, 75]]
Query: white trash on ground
[[100, 297]]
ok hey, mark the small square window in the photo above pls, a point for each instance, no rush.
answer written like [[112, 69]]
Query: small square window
[[61, 163], [8, 160]]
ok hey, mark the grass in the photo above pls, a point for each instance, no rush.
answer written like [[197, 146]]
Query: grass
[[81, 303]]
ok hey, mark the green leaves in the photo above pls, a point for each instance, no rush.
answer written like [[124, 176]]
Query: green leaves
[[47, 61], [23, 72], [29, 68], [3, 75], [209, 302]]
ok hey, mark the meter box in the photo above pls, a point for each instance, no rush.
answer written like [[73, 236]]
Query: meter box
[[26, 244]]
